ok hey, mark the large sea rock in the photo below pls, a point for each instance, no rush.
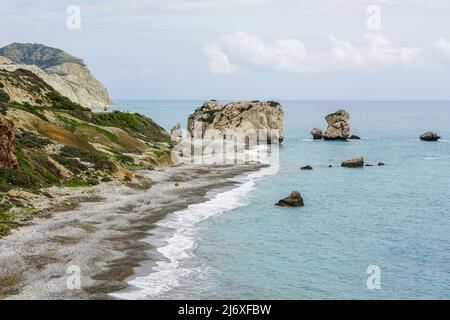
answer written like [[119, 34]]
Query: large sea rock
[[67, 74], [249, 119], [316, 133], [338, 126]]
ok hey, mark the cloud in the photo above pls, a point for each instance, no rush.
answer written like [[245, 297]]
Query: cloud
[[442, 46], [247, 51], [218, 61]]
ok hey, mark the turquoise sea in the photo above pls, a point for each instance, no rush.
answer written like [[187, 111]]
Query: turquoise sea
[[396, 217]]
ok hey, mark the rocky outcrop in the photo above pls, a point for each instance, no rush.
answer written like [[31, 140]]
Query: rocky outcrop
[[316, 133], [293, 200], [7, 145], [338, 126], [248, 119], [65, 73], [430, 136], [176, 133], [356, 162]]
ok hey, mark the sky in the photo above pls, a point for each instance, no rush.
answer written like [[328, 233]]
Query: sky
[[248, 49]]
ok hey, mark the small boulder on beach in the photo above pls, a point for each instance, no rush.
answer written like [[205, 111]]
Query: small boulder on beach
[[293, 200], [306, 168], [430, 136], [316, 133], [356, 162]]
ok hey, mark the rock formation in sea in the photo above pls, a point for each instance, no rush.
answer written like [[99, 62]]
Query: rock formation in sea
[[355, 162], [67, 74], [176, 133], [248, 119], [293, 200], [430, 136], [316, 133], [338, 126]]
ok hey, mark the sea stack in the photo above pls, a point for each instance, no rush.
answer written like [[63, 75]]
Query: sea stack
[[176, 133], [338, 126], [430, 136], [262, 121]]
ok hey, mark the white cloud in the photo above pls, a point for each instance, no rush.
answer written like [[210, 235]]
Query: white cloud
[[218, 61], [442, 46], [248, 51]]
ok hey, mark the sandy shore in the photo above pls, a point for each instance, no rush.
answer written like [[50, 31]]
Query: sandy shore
[[100, 236]]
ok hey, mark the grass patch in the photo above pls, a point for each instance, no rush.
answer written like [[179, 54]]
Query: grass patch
[[72, 125], [37, 111], [4, 97]]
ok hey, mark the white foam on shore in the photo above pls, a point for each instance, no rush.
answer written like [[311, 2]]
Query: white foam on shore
[[182, 241]]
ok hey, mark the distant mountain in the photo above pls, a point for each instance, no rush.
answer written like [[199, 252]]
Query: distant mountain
[[65, 73], [37, 54]]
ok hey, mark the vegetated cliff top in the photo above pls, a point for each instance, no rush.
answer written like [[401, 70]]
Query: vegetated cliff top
[[38, 54]]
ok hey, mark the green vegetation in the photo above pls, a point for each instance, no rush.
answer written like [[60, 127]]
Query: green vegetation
[[72, 125], [138, 125], [37, 111], [273, 103], [4, 97], [31, 140], [100, 162]]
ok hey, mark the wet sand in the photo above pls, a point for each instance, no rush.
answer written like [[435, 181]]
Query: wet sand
[[101, 235]]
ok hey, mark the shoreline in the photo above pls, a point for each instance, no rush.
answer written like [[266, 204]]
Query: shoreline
[[102, 235]]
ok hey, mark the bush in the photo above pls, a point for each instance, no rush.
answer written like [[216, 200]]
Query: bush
[[4, 97]]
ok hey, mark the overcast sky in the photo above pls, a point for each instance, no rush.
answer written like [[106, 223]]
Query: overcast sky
[[249, 49]]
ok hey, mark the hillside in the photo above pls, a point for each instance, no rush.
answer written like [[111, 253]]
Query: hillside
[[48, 140], [65, 73]]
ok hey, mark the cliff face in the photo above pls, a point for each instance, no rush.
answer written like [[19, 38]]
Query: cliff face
[[245, 118], [65, 73]]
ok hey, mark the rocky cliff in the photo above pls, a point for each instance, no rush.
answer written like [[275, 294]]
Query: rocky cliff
[[245, 118], [67, 74]]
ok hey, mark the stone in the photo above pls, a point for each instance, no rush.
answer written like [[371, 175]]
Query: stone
[[316, 133], [338, 126], [380, 164], [7, 145], [430, 136], [259, 121], [176, 133], [355, 162], [354, 137], [293, 200], [306, 168]]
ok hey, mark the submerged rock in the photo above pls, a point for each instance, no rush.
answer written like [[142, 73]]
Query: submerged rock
[[338, 126], [354, 137], [260, 121], [355, 162], [430, 136], [380, 164], [316, 133], [306, 168], [293, 200]]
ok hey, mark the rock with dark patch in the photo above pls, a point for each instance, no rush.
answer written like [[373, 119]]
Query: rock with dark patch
[[380, 164], [306, 168], [338, 126], [430, 136], [293, 200], [354, 137], [7, 145], [316, 133], [356, 162]]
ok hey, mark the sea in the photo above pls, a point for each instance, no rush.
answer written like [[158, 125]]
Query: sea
[[379, 232]]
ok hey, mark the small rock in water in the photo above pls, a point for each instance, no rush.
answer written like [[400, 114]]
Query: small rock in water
[[316, 133], [380, 164], [294, 200], [353, 137], [356, 162], [429, 136], [369, 165], [330, 166], [306, 168]]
